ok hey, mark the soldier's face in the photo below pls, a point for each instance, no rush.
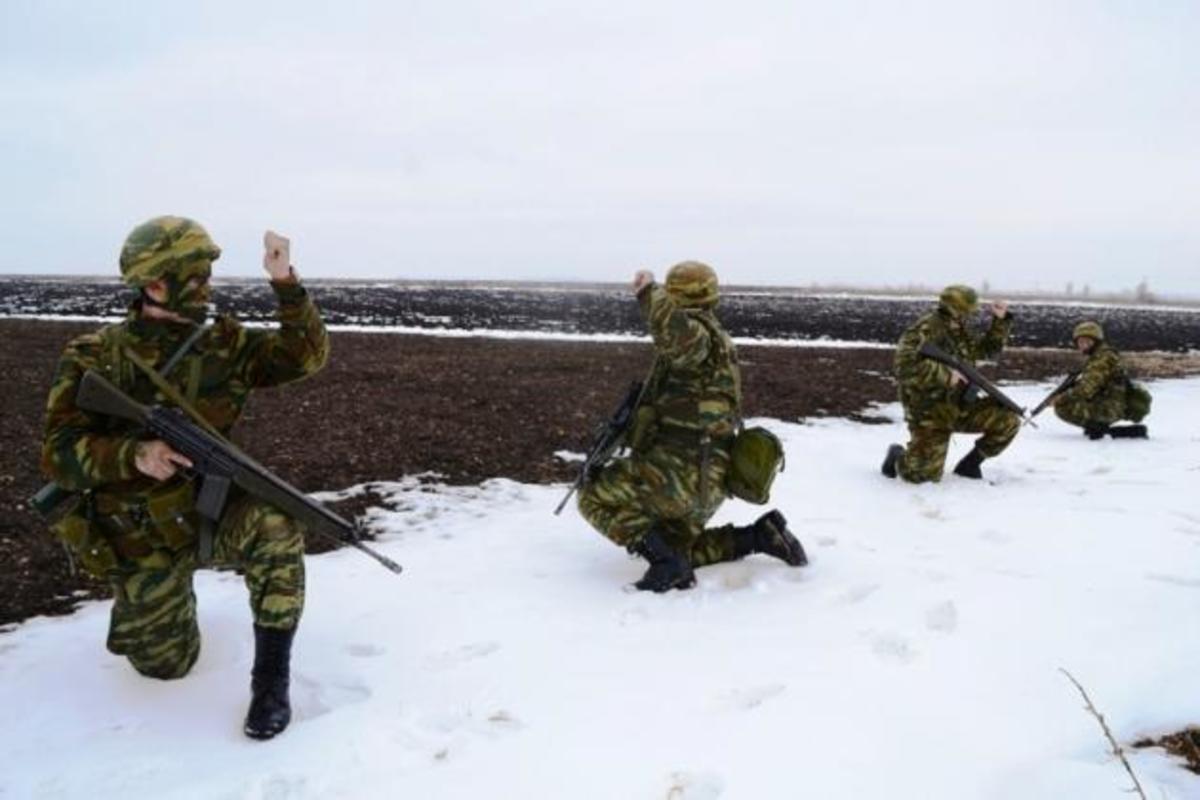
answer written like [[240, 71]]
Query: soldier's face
[[189, 298], [1084, 343]]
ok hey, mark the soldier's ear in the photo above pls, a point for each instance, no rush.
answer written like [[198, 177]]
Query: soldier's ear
[[156, 291]]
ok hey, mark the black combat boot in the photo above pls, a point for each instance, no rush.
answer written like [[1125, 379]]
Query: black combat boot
[[270, 711], [769, 535], [969, 466], [669, 569], [894, 454], [1095, 430], [1128, 432]]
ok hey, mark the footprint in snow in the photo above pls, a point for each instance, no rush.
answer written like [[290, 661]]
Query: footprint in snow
[[361, 650], [1174, 580], [856, 594], [461, 655], [1100, 470], [892, 647], [313, 698], [942, 617], [750, 698], [695, 786], [995, 536], [826, 541]]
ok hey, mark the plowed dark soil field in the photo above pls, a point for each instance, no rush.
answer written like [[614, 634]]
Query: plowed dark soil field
[[390, 405]]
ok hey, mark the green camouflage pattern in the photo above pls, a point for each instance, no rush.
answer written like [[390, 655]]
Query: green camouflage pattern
[[692, 284], [959, 300], [166, 246], [1090, 329], [673, 481], [934, 410], [1098, 397], [82, 451], [145, 531], [929, 439], [153, 621]]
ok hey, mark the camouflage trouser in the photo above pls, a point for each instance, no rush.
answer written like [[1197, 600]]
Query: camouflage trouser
[[661, 489], [154, 607], [929, 436], [1097, 411]]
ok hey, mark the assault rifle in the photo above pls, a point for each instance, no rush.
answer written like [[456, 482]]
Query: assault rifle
[[52, 497], [607, 439], [1057, 392], [976, 381], [220, 464]]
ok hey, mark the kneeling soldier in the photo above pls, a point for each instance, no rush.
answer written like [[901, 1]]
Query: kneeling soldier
[[934, 397], [135, 523], [656, 502], [1103, 394]]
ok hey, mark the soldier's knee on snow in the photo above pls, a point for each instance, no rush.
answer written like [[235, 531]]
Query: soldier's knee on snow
[[909, 476], [1010, 423], [167, 667]]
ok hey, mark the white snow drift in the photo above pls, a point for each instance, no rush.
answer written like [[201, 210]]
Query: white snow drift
[[916, 657]]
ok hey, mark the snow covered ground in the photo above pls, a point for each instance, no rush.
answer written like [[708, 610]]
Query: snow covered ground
[[916, 657]]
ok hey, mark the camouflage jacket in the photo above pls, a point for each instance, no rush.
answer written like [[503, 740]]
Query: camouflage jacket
[[82, 451], [696, 383], [1102, 379], [925, 383]]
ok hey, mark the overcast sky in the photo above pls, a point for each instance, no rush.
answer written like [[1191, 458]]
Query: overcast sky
[[790, 142]]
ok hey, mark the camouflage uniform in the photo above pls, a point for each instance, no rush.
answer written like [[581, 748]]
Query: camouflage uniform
[[674, 478], [934, 410], [1098, 397], [143, 531]]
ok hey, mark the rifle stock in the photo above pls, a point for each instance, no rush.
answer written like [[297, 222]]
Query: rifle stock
[[98, 396]]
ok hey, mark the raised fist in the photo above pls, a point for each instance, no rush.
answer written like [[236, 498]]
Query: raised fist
[[277, 256]]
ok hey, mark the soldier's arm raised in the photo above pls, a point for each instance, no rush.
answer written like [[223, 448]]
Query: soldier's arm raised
[[680, 339], [991, 343], [77, 453], [299, 347]]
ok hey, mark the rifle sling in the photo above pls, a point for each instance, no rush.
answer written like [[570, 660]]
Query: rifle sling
[[207, 532], [171, 393]]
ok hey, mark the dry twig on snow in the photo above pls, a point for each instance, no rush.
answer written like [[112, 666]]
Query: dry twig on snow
[[1117, 750]]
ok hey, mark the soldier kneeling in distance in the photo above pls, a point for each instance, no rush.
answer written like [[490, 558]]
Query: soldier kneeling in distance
[[1103, 394], [934, 395]]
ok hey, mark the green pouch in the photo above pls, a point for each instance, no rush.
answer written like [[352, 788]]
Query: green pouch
[[754, 460], [86, 542], [1137, 401], [170, 511]]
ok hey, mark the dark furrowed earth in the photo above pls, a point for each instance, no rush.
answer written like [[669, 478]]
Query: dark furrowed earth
[[591, 309], [468, 409]]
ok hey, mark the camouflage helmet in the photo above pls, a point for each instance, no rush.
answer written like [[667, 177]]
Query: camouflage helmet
[[164, 245], [1090, 329], [692, 284], [959, 300]]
